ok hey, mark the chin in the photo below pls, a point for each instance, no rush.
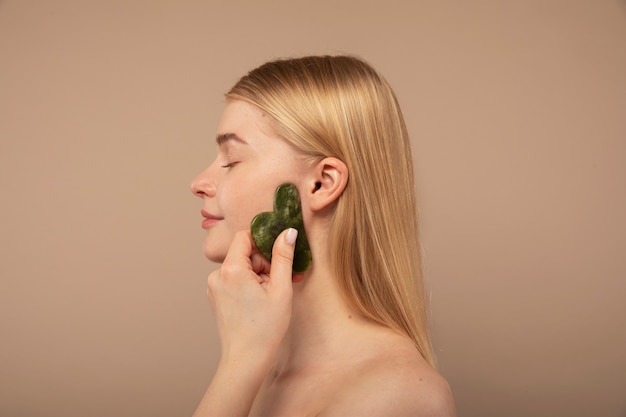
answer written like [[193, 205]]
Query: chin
[[214, 254], [215, 258]]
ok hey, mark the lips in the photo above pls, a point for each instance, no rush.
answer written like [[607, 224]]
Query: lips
[[209, 219]]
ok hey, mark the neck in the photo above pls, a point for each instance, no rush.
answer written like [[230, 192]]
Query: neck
[[322, 324]]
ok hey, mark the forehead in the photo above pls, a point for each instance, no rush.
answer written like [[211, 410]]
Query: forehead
[[245, 121]]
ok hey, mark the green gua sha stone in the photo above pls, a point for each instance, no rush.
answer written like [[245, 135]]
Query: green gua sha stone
[[266, 227]]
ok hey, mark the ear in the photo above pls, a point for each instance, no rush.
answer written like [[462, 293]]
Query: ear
[[326, 183]]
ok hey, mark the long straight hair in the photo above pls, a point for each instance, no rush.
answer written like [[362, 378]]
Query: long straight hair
[[340, 106]]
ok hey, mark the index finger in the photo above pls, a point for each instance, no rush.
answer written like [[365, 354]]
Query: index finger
[[240, 248]]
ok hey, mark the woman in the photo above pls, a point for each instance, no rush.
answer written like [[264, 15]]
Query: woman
[[349, 337]]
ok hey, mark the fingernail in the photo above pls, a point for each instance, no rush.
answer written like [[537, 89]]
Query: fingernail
[[291, 236]]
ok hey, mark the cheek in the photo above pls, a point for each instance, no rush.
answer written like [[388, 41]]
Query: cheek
[[245, 193], [239, 204]]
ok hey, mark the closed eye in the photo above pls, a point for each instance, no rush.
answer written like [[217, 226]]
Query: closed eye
[[230, 165]]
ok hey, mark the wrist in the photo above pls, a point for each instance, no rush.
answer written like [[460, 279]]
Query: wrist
[[248, 361]]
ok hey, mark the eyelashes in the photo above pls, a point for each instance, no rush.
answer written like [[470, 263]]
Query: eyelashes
[[230, 165]]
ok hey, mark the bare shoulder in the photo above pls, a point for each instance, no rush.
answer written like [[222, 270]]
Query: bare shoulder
[[397, 382]]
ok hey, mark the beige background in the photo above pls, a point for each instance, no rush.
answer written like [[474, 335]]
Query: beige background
[[517, 112]]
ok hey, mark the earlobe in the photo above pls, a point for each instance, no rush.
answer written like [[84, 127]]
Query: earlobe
[[330, 177]]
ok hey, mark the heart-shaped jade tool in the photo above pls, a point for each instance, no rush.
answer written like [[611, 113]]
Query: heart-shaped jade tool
[[266, 227]]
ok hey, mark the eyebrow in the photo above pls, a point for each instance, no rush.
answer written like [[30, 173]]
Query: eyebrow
[[222, 138]]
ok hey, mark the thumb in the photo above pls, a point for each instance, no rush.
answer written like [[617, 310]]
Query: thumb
[[282, 256]]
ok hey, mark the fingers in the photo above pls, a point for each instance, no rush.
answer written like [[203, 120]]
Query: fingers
[[243, 261], [282, 257], [240, 248], [237, 263], [260, 265]]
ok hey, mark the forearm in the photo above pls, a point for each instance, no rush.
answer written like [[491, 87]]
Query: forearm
[[251, 301], [233, 388]]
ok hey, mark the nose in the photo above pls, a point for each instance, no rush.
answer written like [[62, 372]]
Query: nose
[[203, 185]]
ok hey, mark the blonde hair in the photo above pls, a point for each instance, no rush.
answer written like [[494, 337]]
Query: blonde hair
[[340, 106]]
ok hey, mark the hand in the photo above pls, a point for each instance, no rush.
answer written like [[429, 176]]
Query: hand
[[252, 299]]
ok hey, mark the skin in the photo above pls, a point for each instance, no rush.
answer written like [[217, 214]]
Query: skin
[[240, 183], [294, 347]]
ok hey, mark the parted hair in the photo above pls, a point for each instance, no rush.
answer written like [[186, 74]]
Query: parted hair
[[339, 106]]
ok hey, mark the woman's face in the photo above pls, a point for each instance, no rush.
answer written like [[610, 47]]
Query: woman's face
[[251, 162]]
